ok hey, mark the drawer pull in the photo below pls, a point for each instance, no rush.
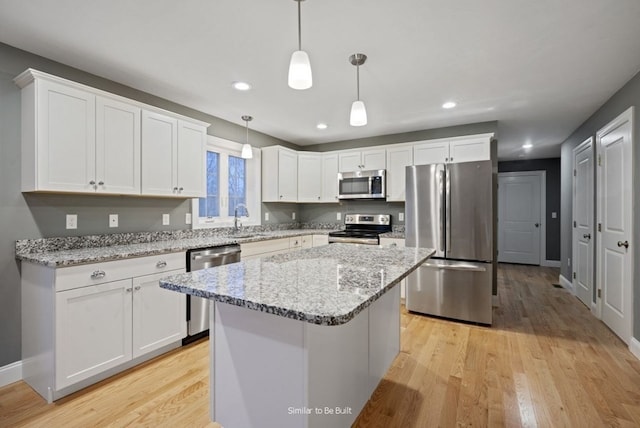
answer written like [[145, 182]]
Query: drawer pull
[[137, 288], [98, 274], [161, 264], [128, 290]]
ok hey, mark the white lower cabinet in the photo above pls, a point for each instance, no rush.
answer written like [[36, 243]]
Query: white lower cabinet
[[93, 330], [270, 247], [158, 314], [81, 324]]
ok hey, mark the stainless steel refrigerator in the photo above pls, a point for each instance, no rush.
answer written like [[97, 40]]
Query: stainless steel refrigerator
[[450, 207]]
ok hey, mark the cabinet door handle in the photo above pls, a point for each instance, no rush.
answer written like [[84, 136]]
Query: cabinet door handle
[[100, 183], [451, 159], [128, 290], [318, 197], [280, 196], [587, 236], [137, 288], [92, 182], [175, 189], [161, 264], [98, 274], [181, 189]]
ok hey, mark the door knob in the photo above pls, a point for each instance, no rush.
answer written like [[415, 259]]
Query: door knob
[[587, 236], [537, 224], [624, 244]]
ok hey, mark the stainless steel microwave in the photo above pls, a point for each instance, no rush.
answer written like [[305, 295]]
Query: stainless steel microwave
[[362, 184]]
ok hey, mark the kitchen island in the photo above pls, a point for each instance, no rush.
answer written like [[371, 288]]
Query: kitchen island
[[301, 339]]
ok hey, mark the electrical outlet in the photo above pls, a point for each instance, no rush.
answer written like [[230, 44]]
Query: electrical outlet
[[113, 220], [338, 216], [400, 216], [166, 219], [266, 216], [72, 221], [293, 216], [187, 218]]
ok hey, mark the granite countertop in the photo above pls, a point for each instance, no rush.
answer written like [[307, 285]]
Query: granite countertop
[[102, 253], [327, 285]]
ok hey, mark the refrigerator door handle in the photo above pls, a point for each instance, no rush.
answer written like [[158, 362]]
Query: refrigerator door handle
[[448, 211], [443, 212], [469, 267]]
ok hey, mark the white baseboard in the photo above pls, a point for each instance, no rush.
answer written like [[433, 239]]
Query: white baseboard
[[565, 283], [634, 347], [551, 263], [10, 373]]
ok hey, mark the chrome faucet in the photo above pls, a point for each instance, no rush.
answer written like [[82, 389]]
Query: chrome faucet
[[236, 219]]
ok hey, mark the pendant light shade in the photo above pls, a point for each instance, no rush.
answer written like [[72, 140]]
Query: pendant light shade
[[358, 115], [300, 76], [300, 71], [247, 151]]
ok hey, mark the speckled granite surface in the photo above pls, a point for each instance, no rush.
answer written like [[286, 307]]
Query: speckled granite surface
[[326, 285], [60, 252]]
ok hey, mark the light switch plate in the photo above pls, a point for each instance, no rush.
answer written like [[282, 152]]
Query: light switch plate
[[113, 220], [554, 214], [338, 216], [400, 216], [293, 216], [266, 216], [166, 219], [72, 221]]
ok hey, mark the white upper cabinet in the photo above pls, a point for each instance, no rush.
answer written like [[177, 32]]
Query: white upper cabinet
[[398, 158], [309, 177], [79, 139], [470, 149], [117, 147], [362, 160], [58, 138], [329, 177], [191, 163], [454, 150], [430, 152], [172, 156], [279, 174]]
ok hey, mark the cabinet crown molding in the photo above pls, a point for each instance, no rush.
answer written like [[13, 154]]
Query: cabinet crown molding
[[30, 75]]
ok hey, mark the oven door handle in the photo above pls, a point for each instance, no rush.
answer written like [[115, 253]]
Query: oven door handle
[[347, 240]]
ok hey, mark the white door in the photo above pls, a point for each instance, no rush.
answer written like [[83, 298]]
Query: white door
[[350, 161], [583, 222], [519, 219], [309, 177], [159, 157], [330, 177], [159, 315], [66, 138], [427, 153], [287, 175], [397, 161], [374, 159], [615, 202], [117, 147], [93, 330], [191, 160]]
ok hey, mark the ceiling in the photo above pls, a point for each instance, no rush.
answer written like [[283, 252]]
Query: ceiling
[[540, 68]]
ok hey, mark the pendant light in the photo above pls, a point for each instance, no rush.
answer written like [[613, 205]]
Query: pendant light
[[300, 67], [247, 152], [358, 111]]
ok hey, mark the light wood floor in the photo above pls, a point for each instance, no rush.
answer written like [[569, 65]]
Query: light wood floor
[[545, 362]]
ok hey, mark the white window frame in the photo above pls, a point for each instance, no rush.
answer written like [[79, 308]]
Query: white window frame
[[253, 170]]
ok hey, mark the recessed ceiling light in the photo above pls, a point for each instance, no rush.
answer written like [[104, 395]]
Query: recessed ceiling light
[[241, 86], [322, 126], [449, 104], [527, 146]]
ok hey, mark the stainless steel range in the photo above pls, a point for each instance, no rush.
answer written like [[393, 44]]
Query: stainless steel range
[[362, 229]]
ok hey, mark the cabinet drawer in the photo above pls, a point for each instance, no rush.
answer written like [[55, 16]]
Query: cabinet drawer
[[98, 273], [270, 246]]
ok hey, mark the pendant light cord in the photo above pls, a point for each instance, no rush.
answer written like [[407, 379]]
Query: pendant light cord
[[299, 28], [358, 82], [247, 126]]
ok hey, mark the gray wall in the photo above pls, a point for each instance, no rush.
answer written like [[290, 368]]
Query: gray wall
[[326, 213], [552, 168], [40, 215], [427, 134], [627, 96]]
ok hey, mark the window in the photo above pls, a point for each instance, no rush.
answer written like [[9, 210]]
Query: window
[[230, 181]]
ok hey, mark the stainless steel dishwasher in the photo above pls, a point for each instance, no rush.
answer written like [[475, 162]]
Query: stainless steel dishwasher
[[197, 307]]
